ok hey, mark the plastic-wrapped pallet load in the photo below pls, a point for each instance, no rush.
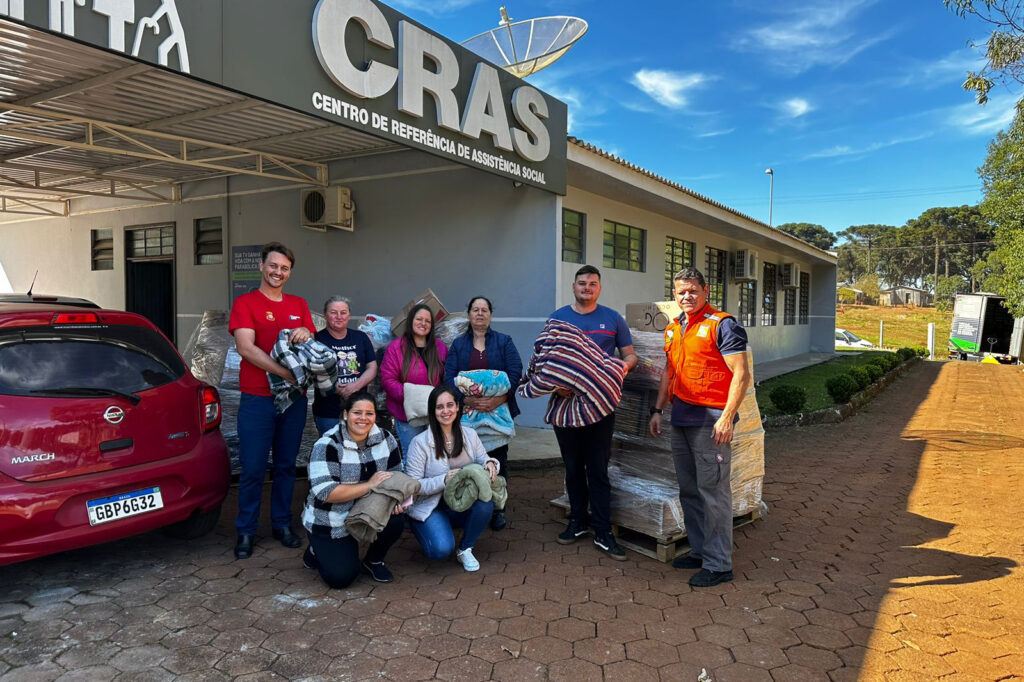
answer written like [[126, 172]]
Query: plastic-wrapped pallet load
[[213, 358], [645, 495]]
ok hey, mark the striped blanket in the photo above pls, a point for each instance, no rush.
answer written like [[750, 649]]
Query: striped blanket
[[565, 357]]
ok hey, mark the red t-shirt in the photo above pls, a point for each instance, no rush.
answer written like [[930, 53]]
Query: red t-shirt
[[267, 318]]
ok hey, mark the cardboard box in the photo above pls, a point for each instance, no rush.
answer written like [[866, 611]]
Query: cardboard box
[[651, 317], [432, 301]]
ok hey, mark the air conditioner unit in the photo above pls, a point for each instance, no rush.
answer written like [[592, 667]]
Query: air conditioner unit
[[745, 266], [326, 207], [790, 276]]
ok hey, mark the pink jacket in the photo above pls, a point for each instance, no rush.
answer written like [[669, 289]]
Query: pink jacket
[[391, 375]]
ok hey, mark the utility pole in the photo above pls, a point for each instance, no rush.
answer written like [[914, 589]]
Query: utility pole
[[935, 282]]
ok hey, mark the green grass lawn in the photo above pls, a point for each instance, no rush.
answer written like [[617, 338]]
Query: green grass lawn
[[812, 379], [904, 327]]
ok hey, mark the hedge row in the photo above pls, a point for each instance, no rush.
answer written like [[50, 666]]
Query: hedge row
[[790, 399]]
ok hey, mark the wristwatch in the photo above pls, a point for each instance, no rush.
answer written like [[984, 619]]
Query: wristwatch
[[656, 410]]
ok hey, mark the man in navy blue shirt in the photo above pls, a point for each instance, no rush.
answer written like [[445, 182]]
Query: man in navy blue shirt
[[586, 449]]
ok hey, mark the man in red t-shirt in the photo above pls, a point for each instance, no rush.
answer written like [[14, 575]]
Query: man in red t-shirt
[[257, 318]]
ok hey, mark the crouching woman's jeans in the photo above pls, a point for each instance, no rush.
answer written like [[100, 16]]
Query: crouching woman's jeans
[[436, 535]]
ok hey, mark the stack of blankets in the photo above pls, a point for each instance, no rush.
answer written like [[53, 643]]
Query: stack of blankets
[[496, 427]]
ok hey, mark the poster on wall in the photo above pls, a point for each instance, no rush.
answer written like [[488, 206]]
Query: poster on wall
[[245, 269]]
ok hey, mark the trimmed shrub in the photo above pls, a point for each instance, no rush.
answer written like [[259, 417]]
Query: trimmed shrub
[[860, 376], [921, 351], [905, 354], [841, 387], [788, 399], [874, 370]]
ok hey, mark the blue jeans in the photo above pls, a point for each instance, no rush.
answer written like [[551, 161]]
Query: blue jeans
[[324, 424], [262, 431], [405, 435], [435, 533]]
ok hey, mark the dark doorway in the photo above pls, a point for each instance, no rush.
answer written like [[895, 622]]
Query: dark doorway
[[149, 268]]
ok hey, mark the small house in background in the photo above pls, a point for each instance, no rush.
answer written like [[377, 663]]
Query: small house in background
[[902, 295], [849, 295]]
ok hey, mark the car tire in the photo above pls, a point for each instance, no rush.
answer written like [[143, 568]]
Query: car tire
[[195, 526]]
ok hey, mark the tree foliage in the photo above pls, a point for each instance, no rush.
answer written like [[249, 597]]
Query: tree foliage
[[1002, 177], [810, 233], [1004, 49]]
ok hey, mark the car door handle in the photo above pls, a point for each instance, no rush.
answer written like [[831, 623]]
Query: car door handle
[[119, 444]]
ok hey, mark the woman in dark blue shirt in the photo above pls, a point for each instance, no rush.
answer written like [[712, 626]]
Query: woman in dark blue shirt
[[483, 348]]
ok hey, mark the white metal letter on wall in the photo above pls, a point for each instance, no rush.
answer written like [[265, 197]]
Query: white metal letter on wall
[[13, 8], [330, 18], [62, 15], [530, 109], [485, 109], [414, 78], [119, 14]]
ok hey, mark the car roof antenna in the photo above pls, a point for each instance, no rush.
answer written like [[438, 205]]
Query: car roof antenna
[[33, 283]]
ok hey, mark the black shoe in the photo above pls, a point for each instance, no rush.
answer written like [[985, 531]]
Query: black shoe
[[287, 537], [573, 532], [606, 543], [498, 521], [688, 561], [378, 571], [243, 547], [309, 559], [706, 578]]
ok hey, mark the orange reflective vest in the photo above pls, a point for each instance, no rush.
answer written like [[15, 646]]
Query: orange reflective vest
[[701, 375]]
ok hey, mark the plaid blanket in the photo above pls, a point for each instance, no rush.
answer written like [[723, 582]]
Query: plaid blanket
[[565, 357], [311, 362]]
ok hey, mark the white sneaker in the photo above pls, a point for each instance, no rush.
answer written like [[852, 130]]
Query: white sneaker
[[468, 561]]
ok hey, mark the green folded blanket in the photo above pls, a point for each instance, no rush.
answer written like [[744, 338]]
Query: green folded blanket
[[471, 483]]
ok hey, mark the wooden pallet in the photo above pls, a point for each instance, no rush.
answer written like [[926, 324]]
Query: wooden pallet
[[664, 548]]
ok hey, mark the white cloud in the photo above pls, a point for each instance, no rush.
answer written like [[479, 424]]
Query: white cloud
[[716, 133], [432, 7], [795, 107], [975, 119], [941, 72], [667, 88], [812, 34], [840, 150]]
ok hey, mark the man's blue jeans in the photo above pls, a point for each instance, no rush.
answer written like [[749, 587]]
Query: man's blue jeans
[[435, 533], [261, 431]]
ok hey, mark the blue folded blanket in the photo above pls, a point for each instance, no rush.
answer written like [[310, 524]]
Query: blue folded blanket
[[496, 427]]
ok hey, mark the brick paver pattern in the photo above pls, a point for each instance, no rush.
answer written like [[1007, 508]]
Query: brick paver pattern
[[890, 552]]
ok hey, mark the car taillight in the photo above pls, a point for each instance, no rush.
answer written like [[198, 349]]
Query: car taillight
[[209, 408], [76, 318]]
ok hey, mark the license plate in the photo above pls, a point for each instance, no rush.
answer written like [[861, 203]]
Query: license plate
[[124, 505]]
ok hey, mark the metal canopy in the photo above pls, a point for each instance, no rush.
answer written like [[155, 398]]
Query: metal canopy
[[76, 121]]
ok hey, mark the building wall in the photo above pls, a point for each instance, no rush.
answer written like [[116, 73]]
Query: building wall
[[420, 222], [621, 287]]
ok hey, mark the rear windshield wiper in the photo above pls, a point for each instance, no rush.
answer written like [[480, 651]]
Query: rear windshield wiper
[[88, 391]]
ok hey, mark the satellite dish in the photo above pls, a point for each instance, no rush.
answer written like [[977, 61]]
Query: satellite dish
[[525, 47]]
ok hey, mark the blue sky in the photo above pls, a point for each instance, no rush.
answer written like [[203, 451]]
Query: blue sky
[[855, 104]]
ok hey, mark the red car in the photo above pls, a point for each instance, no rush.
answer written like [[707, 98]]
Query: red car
[[104, 432]]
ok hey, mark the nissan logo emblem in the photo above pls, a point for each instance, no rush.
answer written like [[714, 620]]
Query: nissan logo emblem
[[114, 414]]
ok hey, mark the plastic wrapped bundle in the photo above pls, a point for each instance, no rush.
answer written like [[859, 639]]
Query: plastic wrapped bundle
[[207, 347], [378, 328], [451, 327], [645, 496], [650, 352]]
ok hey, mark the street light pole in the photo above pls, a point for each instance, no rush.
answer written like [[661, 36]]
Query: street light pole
[[771, 194]]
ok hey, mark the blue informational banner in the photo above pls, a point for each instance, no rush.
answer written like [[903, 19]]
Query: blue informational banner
[[245, 269]]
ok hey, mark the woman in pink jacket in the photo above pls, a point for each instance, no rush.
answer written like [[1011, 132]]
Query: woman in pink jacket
[[414, 358]]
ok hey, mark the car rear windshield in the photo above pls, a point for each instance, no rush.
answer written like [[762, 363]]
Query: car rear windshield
[[118, 358]]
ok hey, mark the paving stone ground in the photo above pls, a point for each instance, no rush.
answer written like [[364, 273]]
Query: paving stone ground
[[891, 552]]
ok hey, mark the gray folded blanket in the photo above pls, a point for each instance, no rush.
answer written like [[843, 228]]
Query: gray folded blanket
[[371, 512], [471, 483]]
